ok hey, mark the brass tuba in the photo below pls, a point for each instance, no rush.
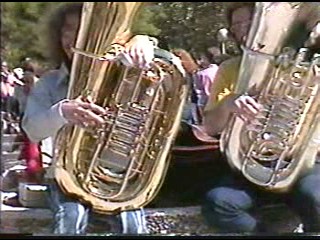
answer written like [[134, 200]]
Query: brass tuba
[[121, 165], [281, 144]]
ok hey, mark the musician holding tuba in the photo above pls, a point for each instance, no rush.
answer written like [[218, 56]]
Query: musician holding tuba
[[228, 206], [48, 110]]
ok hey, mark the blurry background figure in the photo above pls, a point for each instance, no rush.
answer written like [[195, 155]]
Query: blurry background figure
[[314, 37], [190, 113], [30, 151], [9, 105], [226, 46], [4, 88], [215, 52], [18, 74], [28, 79], [204, 77], [30, 65], [222, 37], [191, 133]]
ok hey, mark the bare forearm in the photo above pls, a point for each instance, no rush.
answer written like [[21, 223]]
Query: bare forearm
[[215, 119]]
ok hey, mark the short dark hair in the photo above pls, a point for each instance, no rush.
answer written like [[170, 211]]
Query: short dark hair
[[233, 6], [209, 56], [27, 64], [54, 27]]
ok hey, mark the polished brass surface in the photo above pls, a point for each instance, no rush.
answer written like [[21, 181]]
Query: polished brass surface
[[120, 165], [282, 142]]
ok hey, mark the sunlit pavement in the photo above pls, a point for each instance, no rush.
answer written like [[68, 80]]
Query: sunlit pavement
[[167, 221]]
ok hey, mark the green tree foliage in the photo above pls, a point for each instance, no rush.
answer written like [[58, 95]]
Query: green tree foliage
[[144, 22], [22, 30], [188, 25]]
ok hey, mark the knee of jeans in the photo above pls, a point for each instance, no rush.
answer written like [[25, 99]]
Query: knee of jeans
[[309, 191], [312, 197], [225, 198]]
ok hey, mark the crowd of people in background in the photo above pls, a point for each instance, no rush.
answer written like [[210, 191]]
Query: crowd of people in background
[[16, 84]]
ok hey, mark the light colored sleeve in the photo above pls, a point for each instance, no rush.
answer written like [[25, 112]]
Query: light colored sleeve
[[219, 89], [42, 117], [224, 82]]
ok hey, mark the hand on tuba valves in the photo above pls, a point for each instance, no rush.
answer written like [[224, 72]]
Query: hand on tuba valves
[[82, 112], [138, 52], [244, 106]]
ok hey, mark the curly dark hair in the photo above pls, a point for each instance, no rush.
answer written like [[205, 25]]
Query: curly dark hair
[[233, 6], [54, 26]]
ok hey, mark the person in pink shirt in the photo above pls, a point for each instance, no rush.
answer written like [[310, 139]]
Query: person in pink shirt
[[204, 78]]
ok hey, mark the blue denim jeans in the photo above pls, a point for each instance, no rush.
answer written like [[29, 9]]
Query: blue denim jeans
[[71, 217], [230, 204]]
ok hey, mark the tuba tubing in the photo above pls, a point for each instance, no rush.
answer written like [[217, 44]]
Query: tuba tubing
[[282, 143], [122, 164]]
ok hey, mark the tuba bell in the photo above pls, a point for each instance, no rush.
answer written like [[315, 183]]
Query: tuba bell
[[281, 144], [120, 165]]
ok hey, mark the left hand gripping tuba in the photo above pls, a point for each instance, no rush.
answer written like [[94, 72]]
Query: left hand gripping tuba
[[281, 144], [121, 165]]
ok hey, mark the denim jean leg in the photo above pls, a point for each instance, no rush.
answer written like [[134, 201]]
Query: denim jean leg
[[134, 222], [227, 208], [307, 191], [70, 216]]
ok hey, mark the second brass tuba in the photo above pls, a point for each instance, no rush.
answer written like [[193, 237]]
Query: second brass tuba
[[281, 144], [121, 165]]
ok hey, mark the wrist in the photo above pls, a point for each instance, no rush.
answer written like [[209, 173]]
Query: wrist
[[230, 103], [61, 111]]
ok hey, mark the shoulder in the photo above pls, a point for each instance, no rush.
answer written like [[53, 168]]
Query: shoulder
[[229, 69], [232, 63], [209, 70], [51, 78], [50, 75]]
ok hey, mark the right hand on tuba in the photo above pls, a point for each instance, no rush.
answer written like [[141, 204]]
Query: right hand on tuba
[[139, 51], [82, 113], [245, 107]]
